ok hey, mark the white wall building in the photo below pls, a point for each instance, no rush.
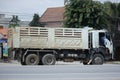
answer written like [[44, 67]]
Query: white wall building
[[4, 22]]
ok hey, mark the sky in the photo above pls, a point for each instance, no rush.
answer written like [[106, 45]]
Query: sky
[[25, 9]]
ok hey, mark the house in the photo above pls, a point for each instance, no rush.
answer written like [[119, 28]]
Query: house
[[53, 17], [24, 23], [4, 22]]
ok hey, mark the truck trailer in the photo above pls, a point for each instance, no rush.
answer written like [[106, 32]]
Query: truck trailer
[[45, 46]]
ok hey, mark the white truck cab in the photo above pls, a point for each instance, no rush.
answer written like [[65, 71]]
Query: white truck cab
[[101, 42], [97, 39]]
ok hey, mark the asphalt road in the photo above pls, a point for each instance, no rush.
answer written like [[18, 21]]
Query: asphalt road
[[60, 71]]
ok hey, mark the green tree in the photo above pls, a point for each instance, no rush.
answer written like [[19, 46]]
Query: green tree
[[35, 22], [118, 8], [112, 11], [14, 21], [80, 13]]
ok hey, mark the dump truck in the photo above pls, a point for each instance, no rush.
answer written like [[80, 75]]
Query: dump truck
[[45, 46]]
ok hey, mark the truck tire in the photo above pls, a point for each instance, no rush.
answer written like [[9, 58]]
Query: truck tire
[[85, 63], [48, 59], [22, 63], [32, 59], [98, 59]]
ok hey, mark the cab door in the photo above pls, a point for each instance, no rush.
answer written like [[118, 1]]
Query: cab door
[[109, 43]]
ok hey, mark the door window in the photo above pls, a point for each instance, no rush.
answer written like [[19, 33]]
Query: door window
[[108, 36], [102, 39]]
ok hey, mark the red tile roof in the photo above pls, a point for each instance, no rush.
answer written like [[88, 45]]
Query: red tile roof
[[53, 14]]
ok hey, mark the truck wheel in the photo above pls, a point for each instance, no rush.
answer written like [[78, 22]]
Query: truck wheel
[[48, 59], [32, 59], [85, 63], [22, 63], [98, 59]]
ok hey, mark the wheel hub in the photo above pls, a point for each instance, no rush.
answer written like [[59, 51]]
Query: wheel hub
[[50, 60], [98, 60], [32, 60]]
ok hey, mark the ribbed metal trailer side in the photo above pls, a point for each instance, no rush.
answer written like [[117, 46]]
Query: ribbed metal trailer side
[[50, 38]]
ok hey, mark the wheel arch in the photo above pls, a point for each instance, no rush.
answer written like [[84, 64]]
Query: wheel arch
[[94, 52], [100, 50]]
